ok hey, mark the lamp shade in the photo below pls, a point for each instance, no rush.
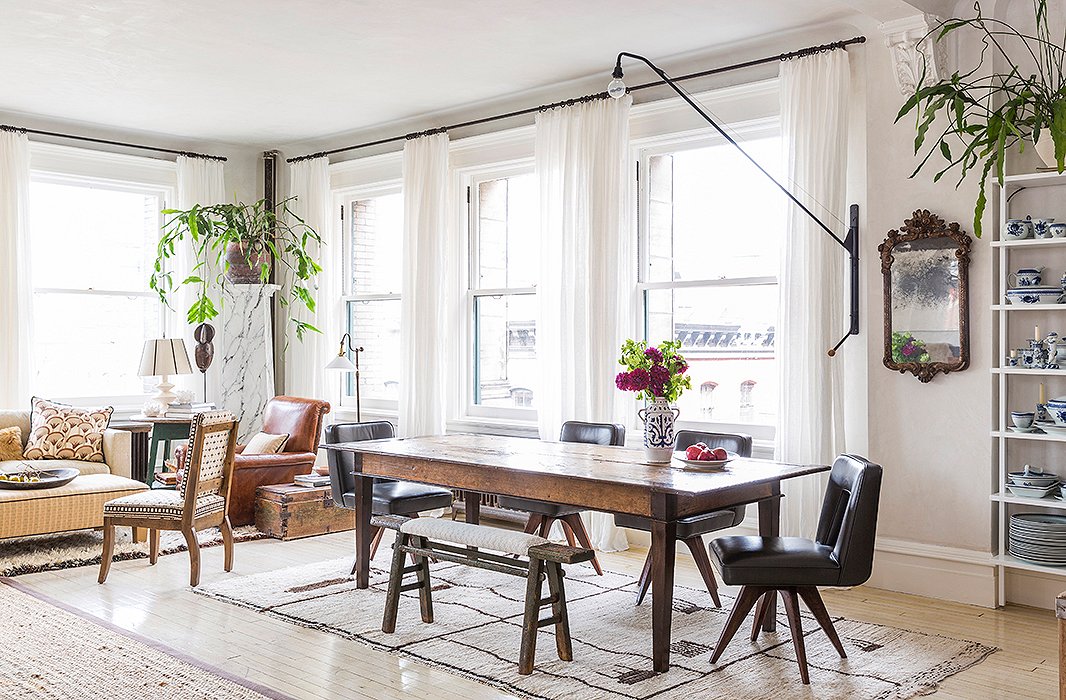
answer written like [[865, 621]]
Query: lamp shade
[[164, 356], [342, 363]]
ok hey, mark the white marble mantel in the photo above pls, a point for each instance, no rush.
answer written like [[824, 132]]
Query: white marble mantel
[[248, 354]]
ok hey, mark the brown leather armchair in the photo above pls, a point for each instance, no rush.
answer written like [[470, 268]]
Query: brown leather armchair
[[301, 419]]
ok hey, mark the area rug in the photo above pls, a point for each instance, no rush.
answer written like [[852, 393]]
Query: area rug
[[477, 625], [51, 651], [67, 550]]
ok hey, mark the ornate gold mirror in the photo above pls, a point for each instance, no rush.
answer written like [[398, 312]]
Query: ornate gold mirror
[[927, 315]]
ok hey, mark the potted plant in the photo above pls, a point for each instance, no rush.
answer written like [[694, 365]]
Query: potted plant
[[239, 241], [657, 374], [986, 116]]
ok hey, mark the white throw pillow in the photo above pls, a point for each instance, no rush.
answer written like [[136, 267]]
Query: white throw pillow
[[265, 444]]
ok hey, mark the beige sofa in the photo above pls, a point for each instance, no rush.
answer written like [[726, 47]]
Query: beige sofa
[[75, 506], [117, 450]]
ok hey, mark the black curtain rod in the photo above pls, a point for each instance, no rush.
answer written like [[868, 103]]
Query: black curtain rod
[[72, 137], [588, 98]]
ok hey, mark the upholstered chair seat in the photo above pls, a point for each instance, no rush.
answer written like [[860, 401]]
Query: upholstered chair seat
[[165, 504]]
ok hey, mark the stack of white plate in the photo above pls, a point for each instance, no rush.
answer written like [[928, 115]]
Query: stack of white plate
[[1038, 538]]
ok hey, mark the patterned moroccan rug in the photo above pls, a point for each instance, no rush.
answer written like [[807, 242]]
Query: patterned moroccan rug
[[67, 550], [52, 651], [478, 617]]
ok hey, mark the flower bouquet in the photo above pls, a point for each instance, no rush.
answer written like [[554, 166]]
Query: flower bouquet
[[658, 374], [907, 348]]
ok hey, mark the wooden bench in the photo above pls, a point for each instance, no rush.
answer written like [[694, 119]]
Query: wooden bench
[[463, 543]]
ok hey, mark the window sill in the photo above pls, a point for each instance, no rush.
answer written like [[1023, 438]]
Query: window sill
[[498, 426]]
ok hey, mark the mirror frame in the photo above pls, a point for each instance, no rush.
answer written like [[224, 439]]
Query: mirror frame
[[924, 225]]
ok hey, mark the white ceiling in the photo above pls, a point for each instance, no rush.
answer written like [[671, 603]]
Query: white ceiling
[[272, 71]]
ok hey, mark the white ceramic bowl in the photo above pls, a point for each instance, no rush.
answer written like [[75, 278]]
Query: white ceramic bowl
[[1034, 295], [1030, 491], [1035, 479]]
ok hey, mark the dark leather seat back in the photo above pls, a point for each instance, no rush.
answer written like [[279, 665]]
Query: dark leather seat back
[[342, 464], [848, 522], [731, 442], [593, 433]]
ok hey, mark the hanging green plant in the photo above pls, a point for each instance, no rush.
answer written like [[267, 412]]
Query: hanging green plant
[[987, 116], [241, 242]]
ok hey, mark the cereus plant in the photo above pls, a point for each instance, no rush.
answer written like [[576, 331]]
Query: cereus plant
[[972, 119], [654, 372]]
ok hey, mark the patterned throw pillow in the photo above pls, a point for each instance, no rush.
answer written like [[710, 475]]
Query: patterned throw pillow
[[58, 431], [10, 443]]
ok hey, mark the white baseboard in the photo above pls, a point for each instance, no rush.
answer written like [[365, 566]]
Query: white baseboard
[[935, 571]]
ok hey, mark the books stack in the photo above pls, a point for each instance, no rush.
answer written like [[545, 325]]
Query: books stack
[[187, 410], [310, 480]]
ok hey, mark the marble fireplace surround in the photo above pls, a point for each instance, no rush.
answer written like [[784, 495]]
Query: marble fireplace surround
[[246, 354]]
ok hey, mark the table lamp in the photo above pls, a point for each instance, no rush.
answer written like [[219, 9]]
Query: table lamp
[[342, 363], [161, 358]]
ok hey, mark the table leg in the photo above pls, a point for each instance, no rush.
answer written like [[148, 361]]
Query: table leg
[[149, 476], [472, 506], [663, 538], [770, 526], [364, 502]]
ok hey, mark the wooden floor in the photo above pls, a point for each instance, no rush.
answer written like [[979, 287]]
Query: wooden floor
[[156, 602]]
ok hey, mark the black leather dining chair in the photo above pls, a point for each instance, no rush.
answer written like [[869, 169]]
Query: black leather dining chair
[[691, 530], [543, 514], [841, 554], [390, 497]]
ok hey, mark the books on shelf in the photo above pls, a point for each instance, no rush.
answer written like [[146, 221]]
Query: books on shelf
[[187, 410], [310, 480]]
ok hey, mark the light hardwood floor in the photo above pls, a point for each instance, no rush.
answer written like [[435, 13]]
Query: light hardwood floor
[[156, 602]]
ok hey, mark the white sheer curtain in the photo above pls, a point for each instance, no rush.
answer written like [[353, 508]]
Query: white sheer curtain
[[423, 317], [305, 360], [16, 290], [586, 287], [814, 116], [200, 181]]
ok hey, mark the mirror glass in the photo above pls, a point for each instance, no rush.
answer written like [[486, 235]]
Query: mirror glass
[[925, 302]]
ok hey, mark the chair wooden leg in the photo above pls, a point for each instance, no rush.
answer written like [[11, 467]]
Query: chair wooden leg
[[194, 556], [645, 579], [153, 545], [528, 653], [378, 532], [533, 524], [578, 526], [569, 532], [703, 563], [227, 543], [425, 588], [761, 611], [791, 601], [545, 527], [745, 601], [813, 599], [562, 625], [109, 550], [392, 598]]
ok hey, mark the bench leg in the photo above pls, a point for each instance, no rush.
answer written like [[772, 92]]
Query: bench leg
[[562, 622], [153, 545], [392, 598], [425, 588], [531, 619], [138, 534]]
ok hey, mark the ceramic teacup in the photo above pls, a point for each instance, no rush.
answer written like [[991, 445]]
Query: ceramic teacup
[[1021, 419], [1042, 228], [1027, 276], [1058, 230], [1018, 229]]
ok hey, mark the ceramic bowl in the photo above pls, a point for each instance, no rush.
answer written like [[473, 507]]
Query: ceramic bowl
[[1058, 230], [1022, 419], [1034, 295], [1017, 230], [1030, 491], [1041, 480]]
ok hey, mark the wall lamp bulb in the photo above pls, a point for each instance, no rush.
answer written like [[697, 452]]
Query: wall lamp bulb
[[616, 88]]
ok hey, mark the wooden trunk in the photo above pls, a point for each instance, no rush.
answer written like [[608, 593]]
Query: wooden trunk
[[288, 512]]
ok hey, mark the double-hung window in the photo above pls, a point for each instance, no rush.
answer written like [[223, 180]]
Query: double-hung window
[[502, 294], [93, 243], [711, 231], [373, 249]]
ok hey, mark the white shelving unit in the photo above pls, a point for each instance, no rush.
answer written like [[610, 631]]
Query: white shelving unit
[[1039, 195]]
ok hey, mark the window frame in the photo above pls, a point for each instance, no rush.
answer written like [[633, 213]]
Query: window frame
[[344, 199], [645, 149], [471, 178], [69, 166]]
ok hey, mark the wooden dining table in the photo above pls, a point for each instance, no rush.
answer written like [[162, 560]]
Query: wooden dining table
[[594, 477]]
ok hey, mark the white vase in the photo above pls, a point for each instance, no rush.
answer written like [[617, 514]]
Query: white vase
[[1046, 150], [658, 420]]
